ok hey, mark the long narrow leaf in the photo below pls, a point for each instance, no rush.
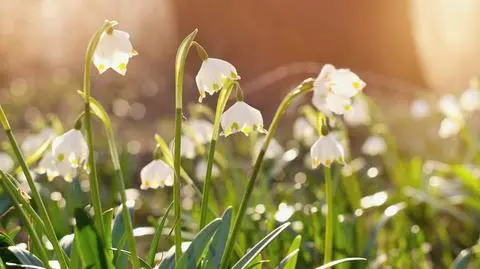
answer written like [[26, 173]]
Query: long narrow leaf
[[247, 258], [156, 238], [330, 264], [217, 247], [292, 262], [285, 260]]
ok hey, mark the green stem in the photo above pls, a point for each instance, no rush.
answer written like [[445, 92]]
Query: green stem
[[180, 60], [305, 87], [49, 230], [94, 187], [330, 214], [222, 102], [26, 221]]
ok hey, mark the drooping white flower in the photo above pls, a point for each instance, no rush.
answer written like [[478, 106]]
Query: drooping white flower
[[449, 127], [284, 212], [304, 131], [420, 109], [334, 88], [374, 145], [202, 130], [201, 170], [326, 150], [273, 151], [33, 142], [156, 174], [212, 76], [359, 113], [6, 162], [53, 168], [187, 147], [114, 50], [449, 106], [71, 147], [470, 99], [241, 117]]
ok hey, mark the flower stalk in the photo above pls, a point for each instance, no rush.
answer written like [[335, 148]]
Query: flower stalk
[[330, 216], [221, 103], [305, 87]]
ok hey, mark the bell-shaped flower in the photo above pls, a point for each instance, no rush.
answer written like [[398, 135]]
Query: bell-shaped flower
[[338, 104], [374, 145], [449, 106], [470, 100], [345, 83], [359, 113], [202, 130], [326, 150], [156, 174], [273, 151], [213, 75], [114, 50], [304, 132], [34, 141], [70, 147], [201, 170], [53, 168], [449, 127], [187, 147], [241, 117], [420, 109], [6, 162]]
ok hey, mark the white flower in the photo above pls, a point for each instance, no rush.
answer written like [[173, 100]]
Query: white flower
[[6, 162], [212, 76], [201, 170], [326, 150], [156, 174], [202, 130], [334, 88], [359, 113], [284, 212], [241, 117], [274, 149], [113, 51], [374, 145], [420, 109], [470, 100], [71, 147], [449, 106], [54, 168], [449, 127], [33, 142], [304, 131], [187, 147]]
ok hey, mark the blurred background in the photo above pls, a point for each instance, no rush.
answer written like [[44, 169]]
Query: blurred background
[[403, 49]]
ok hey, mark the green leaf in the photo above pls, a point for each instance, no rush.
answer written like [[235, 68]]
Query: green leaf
[[291, 262], [119, 235], [217, 247], [285, 260], [192, 256], [107, 220], [247, 258], [5, 204], [97, 109], [462, 260], [330, 264], [88, 243], [24, 257], [258, 264], [5, 240], [66, 243], [128, 254], [156, 238]]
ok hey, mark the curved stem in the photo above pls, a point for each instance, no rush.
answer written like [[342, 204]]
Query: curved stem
[[222, 102], [304, 87], [49, 230], [329, 220]]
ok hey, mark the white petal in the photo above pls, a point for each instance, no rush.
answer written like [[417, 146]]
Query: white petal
[[449, 127], [274, 149], [155, 174], [70, 146], [359, 113], [470, 100], [113, 51], [449, 106], [212, 75], [304, 131], [345, 83], [320, 85], [6, 162], [202, 130], [241, 117], [325, 151], [337, 104], [201, 170]]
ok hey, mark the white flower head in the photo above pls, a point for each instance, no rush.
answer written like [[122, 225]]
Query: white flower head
[[334, 88], [6, 162], [359, 114], [326, 150], [304, 131], [420, 109], [449, 106], [71, 147], [241, 117], [202, 130], [449, 127], [470, 100], [53, 168], [374, 145], [156, 174], [201, 170], [114, 50], [187, 147], [34, 141], [212, 76], [273, 151]]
